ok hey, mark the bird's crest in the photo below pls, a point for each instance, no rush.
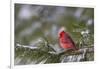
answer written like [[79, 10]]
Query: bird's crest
[[61, 30]]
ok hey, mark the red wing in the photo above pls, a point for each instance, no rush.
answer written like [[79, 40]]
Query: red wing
[[66, 39]]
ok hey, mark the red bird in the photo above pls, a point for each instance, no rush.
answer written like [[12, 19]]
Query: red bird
[[65, 40]]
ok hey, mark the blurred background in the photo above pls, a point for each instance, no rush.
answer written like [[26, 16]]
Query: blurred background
[[34, 22]]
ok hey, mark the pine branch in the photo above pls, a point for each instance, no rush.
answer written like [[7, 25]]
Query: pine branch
[[79, 51], [63, 56], [67, 52], [26, 46]]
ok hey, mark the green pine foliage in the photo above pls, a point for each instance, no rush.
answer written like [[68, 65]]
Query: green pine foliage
[[37, 25]]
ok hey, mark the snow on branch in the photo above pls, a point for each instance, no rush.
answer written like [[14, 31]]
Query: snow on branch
[[26, 46], [79, 51], [66, 55]]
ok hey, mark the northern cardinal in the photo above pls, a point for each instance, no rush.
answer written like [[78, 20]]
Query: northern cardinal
[[65, 40]]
